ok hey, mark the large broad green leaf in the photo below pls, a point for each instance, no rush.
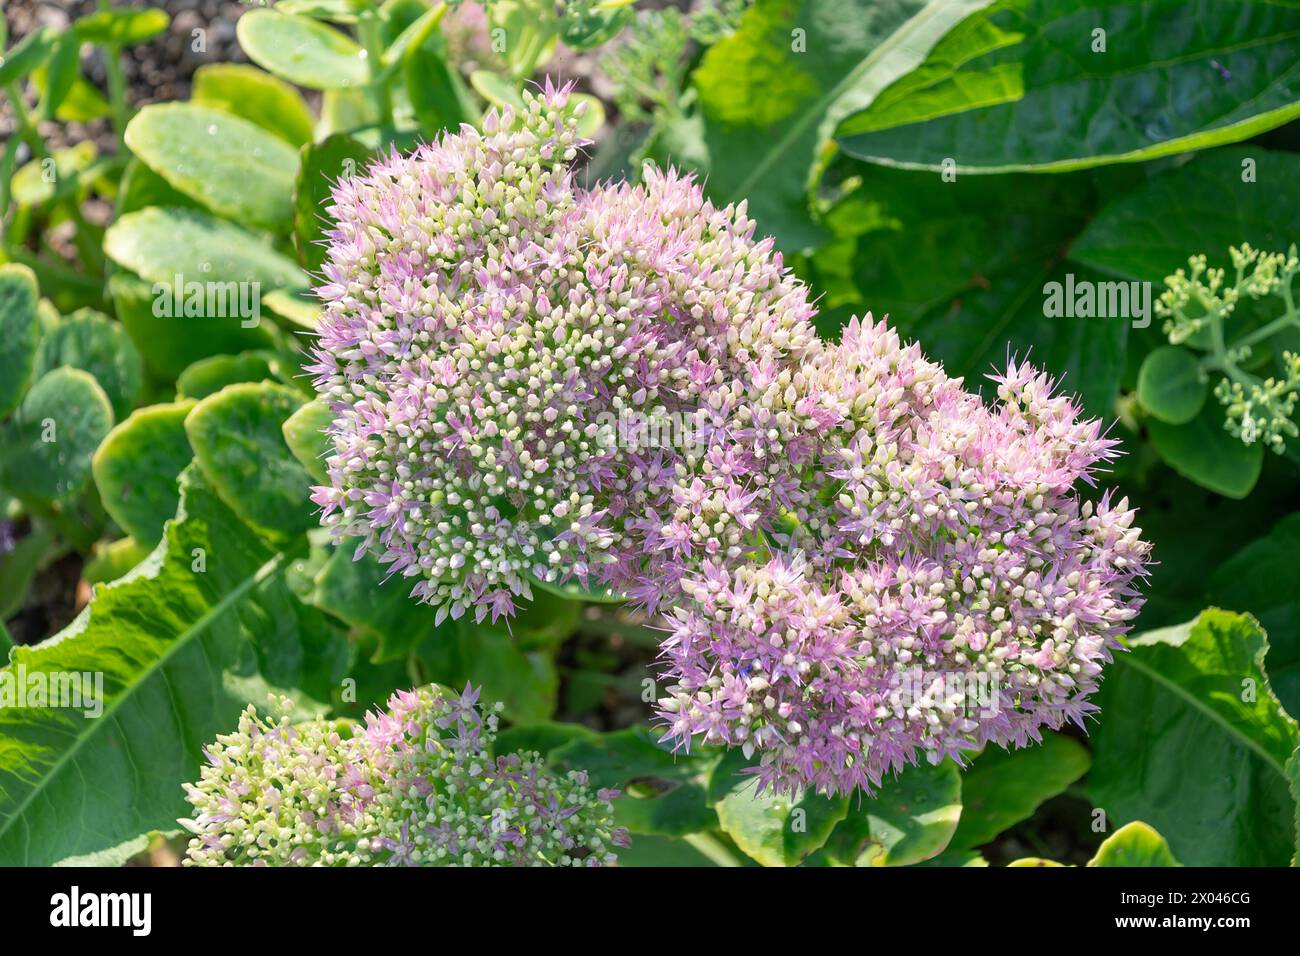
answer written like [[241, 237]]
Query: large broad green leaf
[[1026, 84], [234, 167], [1204, 452], [1263, 578], [20, 333], [911, 818], [772, 93], [93, 342], [1193, 741], [1220, 199], [172, 339], [1134, 844], [137, 466], [50, 440], [324, 164], [162, 244], [183, 643], [302, 51], [258, 97], [1003, 787], [238, 443]]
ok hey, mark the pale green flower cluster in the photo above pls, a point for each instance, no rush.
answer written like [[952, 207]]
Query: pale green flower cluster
[[418, 785], [1196, 304]]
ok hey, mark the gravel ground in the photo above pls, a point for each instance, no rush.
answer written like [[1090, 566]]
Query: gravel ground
[[155, 72]]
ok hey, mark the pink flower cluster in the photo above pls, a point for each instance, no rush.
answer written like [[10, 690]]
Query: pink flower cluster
[[861, 562]]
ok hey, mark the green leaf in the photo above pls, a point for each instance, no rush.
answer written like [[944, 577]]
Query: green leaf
[[1003, 787], [137, 466], [20, 333], [93, 342], [183, 643], [498, 90], [56, 429], [234, 167], [27, 54], [304, 433], [212, 374], [1264, 578], [1020, 86], [1134, 844], [302, 51], [659, 852], [323, 164], [1171, 385], [113, 560], [912, 818], [121, 27], [258, 97], [140, 187], [437, 93], [661, 794], [361, 593], [238, 443], [61, 73], [770, 109], [541, 738], [18, 569], [161, 244], [1192, 740], [778, 830], [168, 339], [1220, 199], [1204, 452], [55, 176]]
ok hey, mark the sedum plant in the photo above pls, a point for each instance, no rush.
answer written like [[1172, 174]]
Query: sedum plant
[[417, 785], [884, 590], [838, 519]]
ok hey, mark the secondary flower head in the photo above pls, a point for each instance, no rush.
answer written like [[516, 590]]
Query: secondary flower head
[[505, 352], [417, 786], [949, 587]]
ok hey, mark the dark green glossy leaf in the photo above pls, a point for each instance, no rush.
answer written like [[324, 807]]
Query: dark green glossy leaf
[[1193, 741], [1204, 452], [1026, 84], [1003, 787]]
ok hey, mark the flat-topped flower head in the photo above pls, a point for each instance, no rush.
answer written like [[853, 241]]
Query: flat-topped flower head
[[494, 341], [948, 588], [419, 785]]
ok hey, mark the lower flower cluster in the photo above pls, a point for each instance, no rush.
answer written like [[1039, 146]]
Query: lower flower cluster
[[419, 785]]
